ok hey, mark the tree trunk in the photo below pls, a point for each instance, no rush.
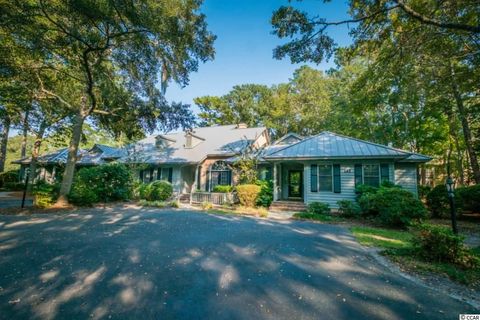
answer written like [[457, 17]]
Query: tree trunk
[[35, 153], [23, 150], [71, 159], [467, 134], [4, 141]]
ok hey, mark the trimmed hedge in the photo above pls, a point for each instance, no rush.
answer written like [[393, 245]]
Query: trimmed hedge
[[9, 178], [248, 194], [223, 188]]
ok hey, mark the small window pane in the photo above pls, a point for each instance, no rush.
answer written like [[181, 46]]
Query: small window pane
[[371, 175], [325, 177]]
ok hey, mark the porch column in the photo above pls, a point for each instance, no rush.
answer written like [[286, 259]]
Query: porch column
[[275, 197], [194, 185]]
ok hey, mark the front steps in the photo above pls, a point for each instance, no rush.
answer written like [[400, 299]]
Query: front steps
[[290, 206]]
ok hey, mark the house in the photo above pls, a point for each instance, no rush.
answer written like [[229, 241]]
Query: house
[[325, 167], [50, 166], [196, 159]]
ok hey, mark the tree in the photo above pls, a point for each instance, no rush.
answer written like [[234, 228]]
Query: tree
[[109, 48], [390, 33]]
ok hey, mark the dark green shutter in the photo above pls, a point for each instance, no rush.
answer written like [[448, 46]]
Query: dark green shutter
[[229, 177], [141, 175], [159, 173], [337, 181], [151, 174], [170, 174], [313, 178], [384, 172], [358, 175]]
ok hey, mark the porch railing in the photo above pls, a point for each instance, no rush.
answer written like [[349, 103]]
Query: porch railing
[[217, 198]]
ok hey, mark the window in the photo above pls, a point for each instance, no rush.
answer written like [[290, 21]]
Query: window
[[165, 174], [325, 177], [314, 178], [358, 175], [384, 172], [219, 174], [337, 181], [371, 175]]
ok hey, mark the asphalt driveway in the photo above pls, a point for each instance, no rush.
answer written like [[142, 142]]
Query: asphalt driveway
[[130, 263]]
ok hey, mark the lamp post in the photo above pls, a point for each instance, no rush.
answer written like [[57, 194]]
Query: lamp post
[[450, 184], [25, 188]]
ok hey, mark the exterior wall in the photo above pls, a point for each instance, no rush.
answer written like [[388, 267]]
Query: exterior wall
[[406, 176], [347, 178], [205, 165]]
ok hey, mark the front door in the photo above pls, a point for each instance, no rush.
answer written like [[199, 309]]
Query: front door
[[295, 183]]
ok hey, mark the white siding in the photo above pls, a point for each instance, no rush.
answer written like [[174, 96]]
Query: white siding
[[406, 176]]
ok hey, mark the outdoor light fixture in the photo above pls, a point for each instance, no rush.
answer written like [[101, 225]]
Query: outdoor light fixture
[[450, 184]]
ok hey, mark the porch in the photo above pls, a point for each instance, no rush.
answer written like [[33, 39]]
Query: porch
[[288, 182]]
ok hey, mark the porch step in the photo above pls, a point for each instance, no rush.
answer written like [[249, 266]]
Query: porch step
[[184, 198], [287, 206]]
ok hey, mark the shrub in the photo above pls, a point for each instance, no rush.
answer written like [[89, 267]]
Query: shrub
[[423, 191], [438, 202], [175, 204], [349, 209], [364, 189], [45, 194], [265, 197], [223, 188], [207, 205], [393, 207], [14, 186], [8, 177], [158, 190], [156, 204], [469, 197], [102, 183], [318, 208], [440, 244], [248, 194]]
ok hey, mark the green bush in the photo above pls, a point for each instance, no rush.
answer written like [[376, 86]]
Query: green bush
[[469, 198], [159, 190], [265, 197], [364, 189], [248, 194], [392, 207], [223, 188], [156, 204], [8, 177], [423, 191], [14, 186], [349, 209], [318, 208], [438, 202], [45, 194], [440, 244], [109, 182]]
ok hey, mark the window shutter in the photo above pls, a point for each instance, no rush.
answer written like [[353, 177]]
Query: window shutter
[[141, 175], [313, 178], [358, 175], [337, 181], [151, 175], [159, 173], [384, 172], [229, 178], [170, 174]]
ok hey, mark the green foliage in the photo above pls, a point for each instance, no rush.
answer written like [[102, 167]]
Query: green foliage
[[319, 208], [14, 186], [469, 198], [440, 244], [349, 209], [246, 169], [223, 188], [159, 190], [207, 205], [45, 194], [438, 202], [392, 207], [265, 197], [423, 191], [248, 194], [155, 203], [8, 177], [364, 189], [104, 183], [317, 217]]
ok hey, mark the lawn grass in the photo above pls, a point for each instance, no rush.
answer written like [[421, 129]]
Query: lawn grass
[[317, 217], [398, 246]]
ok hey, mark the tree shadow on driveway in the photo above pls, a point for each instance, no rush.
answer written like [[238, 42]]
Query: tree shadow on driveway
[[126, 262]]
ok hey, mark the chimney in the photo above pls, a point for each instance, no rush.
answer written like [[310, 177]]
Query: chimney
[[241, 125]]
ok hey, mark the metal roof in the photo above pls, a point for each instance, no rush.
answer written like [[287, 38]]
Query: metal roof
[[225, 140], [330, 145]]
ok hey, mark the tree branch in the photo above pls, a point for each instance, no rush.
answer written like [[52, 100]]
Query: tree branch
[[456, 26]]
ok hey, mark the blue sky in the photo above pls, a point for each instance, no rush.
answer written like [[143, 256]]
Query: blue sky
[[244, 46]]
